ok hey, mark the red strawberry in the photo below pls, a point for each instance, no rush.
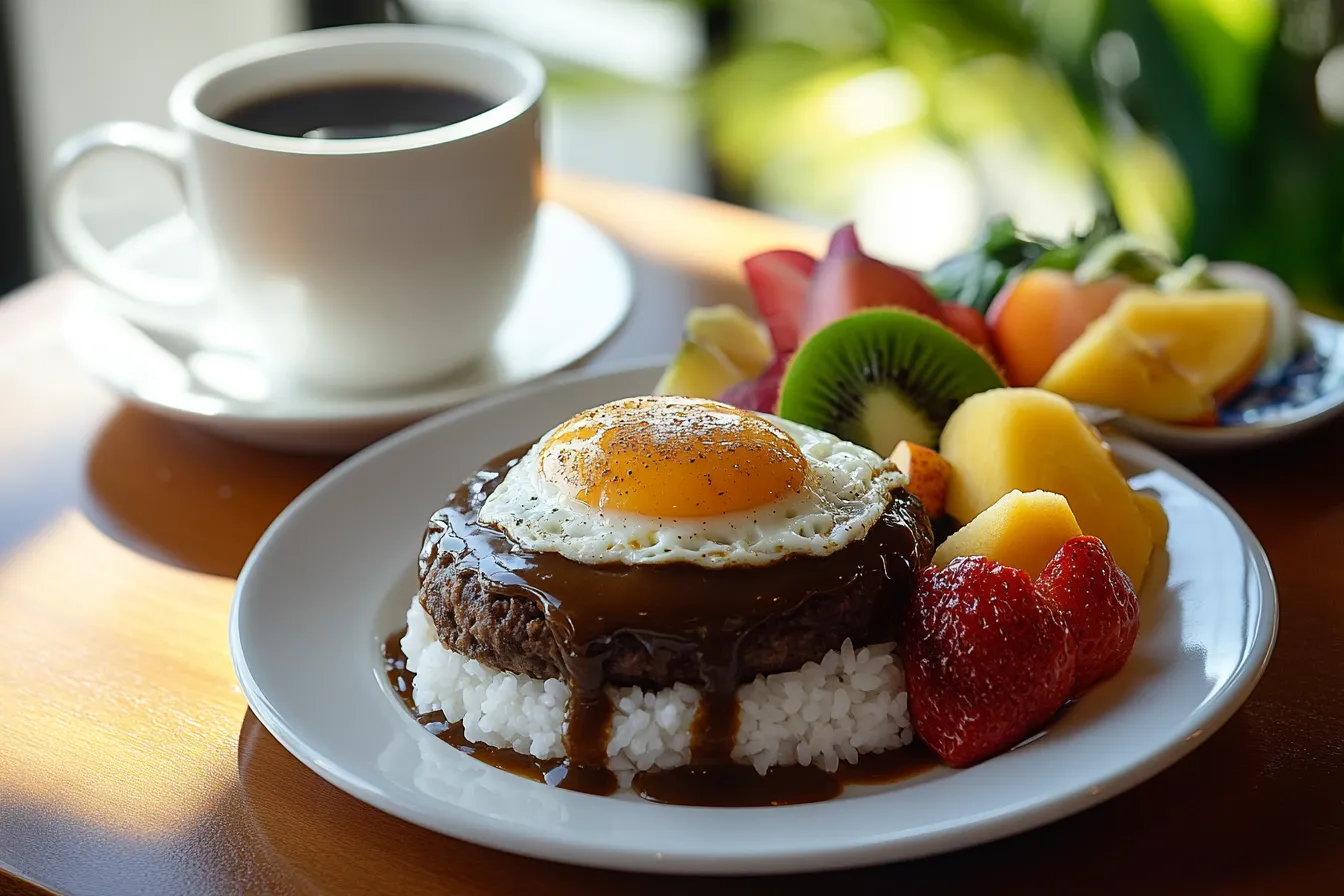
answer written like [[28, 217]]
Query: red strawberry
[[988, 659], [1098, 603]]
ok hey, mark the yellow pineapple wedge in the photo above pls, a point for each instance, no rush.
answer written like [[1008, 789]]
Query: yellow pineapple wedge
[[1169, 357], [1029, 440], [721, 347], [698, 371], [1110, 366], [742, 340], [1023, 530]]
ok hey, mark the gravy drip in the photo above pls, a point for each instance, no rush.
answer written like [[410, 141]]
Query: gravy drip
[[562, 773], [677, 612]]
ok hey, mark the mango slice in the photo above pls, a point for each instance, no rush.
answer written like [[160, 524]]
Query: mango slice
[[1169, 357]]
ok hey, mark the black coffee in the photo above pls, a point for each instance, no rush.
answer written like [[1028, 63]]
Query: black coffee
[[347, 111]]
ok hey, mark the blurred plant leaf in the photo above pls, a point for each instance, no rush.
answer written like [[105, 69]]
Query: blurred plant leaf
[[1216, 145], [746, 103], [1149, 190], [1224, 43], [1155, 192]]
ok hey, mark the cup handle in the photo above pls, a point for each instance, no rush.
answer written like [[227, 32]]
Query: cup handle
[[156, 301]]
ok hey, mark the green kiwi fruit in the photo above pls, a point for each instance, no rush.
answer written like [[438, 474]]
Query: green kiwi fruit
[[879, 376]]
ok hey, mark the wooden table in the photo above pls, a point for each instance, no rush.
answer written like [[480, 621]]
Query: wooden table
[[129, 762]]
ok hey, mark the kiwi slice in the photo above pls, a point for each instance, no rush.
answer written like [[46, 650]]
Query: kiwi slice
[[880, 376]]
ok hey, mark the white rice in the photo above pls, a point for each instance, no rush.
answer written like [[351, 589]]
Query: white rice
[[850, 703]]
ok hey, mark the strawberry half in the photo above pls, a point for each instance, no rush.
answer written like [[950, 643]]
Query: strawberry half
[[1098, 603], [988, 659]]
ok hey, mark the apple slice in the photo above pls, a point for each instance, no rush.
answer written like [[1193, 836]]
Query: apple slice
[[761, 393], [844, 285]]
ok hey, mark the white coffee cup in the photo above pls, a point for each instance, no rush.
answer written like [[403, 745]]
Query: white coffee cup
[[351, 264]]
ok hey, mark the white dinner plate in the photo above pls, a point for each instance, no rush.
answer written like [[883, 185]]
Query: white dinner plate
[[576, 292], [333, 576]]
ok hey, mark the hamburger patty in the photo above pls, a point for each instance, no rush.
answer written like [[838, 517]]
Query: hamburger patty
[[488, 599]]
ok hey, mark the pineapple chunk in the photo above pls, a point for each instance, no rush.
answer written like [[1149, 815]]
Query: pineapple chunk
[[1030, 439], [743, 341], [698, 371], [1112, 367], [1021, 530]]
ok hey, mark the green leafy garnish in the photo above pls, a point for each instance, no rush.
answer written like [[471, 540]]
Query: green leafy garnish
[[975, 276], [1001, 252]]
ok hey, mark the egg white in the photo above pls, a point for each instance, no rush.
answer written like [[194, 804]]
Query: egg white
[[844, 493]]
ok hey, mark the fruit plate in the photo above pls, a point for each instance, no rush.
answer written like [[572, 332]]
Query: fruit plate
[[1308, 394], [331, 578]]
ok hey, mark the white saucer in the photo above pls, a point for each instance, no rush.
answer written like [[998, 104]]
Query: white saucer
[[332, 577], [577, 291]]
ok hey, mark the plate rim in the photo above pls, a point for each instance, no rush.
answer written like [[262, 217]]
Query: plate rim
[[358, 410], [1196, 729]]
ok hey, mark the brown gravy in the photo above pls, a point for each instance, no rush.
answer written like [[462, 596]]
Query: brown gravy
[[562, 773], [723, 784], [688, 623]]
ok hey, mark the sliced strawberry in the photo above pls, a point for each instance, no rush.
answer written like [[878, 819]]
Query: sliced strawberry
[[967, 323], [779, 283], [1098, 603], [988, 659]]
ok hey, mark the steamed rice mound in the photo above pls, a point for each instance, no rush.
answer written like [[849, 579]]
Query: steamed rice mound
[[850, 703]]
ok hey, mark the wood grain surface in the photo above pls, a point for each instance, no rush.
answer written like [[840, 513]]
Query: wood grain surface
[[129, 762]]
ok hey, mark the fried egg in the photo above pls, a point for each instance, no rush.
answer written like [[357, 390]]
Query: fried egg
[[667, 479]]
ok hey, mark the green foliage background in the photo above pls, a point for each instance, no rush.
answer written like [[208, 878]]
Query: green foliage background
[[1200, 121]]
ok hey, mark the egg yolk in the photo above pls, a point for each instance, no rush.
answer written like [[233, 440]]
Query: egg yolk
[[672, 457]]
